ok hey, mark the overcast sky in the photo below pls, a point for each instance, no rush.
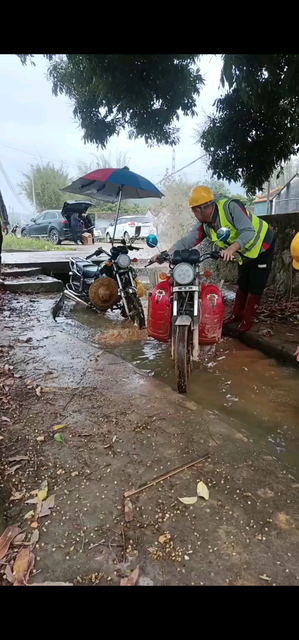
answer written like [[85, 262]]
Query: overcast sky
[[34, 122]]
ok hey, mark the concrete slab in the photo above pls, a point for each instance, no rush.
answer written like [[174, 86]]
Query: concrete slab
[[17, 273], [40, 284]]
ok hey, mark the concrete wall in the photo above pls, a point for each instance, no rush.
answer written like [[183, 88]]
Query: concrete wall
[[260, 208], [283, 277]]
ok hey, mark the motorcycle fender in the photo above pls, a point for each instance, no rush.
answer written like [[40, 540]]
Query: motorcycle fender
[[183, 320]]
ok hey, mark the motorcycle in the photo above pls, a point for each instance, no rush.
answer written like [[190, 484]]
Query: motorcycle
[[111, 285], [183, 310]]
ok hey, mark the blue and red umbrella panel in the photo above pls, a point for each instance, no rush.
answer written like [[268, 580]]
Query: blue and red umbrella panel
[[111, 185]]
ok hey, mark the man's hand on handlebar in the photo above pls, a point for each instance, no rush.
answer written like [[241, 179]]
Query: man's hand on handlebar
[[227, 254], [160, 258]]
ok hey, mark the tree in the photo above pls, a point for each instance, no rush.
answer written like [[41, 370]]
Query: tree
[[141, 92], [101, 161], [47, 182], [256, 123]]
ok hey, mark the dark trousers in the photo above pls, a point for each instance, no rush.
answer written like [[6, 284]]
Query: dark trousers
[[253, 274], [75, 227]]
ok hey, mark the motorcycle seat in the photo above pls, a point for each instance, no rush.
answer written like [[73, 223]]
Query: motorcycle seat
[[86, 268]]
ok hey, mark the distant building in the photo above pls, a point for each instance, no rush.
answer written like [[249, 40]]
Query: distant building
[[282, 199], [260, 203]]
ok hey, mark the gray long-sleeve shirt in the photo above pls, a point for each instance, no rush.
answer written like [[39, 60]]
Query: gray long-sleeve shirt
[[3, 211], [236, 216]]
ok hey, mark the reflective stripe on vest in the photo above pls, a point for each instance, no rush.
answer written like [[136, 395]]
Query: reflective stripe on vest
[[252, 248]]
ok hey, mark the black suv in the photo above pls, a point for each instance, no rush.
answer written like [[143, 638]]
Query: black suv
[[55, 224]]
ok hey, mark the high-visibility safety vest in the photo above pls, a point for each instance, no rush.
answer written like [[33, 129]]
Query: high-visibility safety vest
[[252, 248]]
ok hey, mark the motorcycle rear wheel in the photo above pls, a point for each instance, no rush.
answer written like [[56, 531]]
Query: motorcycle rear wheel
[[136, 311], [182, 357]]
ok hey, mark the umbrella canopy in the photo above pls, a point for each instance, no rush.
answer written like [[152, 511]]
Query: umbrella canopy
[[110, 184]]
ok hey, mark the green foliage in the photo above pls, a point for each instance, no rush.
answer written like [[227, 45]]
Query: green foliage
[[47, 184], [113, 91], [256, 123], [12, 243]]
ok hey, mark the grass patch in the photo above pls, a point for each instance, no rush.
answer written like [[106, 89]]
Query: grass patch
[[11, 243]]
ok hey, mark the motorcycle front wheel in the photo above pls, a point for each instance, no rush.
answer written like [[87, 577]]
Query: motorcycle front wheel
[[136, 311], [182, 357]]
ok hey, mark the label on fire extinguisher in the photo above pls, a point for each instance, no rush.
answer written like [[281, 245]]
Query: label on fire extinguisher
[[212, 298]]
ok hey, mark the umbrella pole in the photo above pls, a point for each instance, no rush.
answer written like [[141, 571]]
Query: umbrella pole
[[117, 213]]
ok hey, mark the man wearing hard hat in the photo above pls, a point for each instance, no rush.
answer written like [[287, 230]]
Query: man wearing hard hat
[[251, 240]]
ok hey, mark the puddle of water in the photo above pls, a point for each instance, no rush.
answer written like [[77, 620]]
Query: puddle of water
[[259, 393]]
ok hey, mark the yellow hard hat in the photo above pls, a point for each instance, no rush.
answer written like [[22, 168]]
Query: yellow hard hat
[[200, 195], [295, 251]]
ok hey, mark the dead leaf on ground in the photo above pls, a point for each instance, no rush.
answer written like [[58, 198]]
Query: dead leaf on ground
[[131, 580], [50, 584], [59, 426], [43, 490], [34, 538], [128, 510], [6, 539], [19, 539], [34, 525], [202, 490], [264, 577], [16, 458], [40, 438], [190, 500], [24, 563], [9, 574], [12, 469], [17, 495], [265, 493], [164, 538], [38, 391], [32, 501], [46, 506], [1, 437], [5, 419]]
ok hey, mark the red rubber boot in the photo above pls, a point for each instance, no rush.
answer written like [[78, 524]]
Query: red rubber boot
[[238, 308], [252, 304]]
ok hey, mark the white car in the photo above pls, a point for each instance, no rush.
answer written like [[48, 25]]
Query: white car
[[126, 228], [97, 235]]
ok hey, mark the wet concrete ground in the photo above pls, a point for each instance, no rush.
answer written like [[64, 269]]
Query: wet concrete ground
[[125, 427]]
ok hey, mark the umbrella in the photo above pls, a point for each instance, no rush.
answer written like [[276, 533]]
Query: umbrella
[[114, 185]]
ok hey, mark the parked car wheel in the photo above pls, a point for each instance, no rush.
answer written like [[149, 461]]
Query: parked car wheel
[[108, 237], [54, 236], [23, 233]]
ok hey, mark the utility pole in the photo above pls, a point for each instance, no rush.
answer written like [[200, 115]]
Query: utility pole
[[33, 193]]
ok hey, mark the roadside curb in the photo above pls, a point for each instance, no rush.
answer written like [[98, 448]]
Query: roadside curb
[[271, 349]]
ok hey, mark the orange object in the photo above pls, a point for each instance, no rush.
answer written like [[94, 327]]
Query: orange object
[[163, 276]]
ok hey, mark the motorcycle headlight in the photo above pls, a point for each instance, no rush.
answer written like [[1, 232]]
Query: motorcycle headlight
[[123, 260], [183, 273]]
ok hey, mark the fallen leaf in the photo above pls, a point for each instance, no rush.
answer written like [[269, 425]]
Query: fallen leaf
[[34, 538], [50, 584], [164, 538], [4, 419], [12, 469], [28, 515], [6, 539], [264, 577], [131, 580], [188, 500], [202, 490], [24, 563], [128, 510], [40, 438], [1, 437], [38, 391], [32, 501], [59, 426], [34, 525], [75, 473], [46, 506], [114, 438], [15, 458], [59, 438], [17, 495], [9, 574], [19, 539], [43, 490]]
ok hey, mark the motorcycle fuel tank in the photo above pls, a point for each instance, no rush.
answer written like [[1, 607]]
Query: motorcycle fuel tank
[[159, 311]]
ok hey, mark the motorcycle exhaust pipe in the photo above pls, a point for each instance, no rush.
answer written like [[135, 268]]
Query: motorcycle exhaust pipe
[[72, 296]]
